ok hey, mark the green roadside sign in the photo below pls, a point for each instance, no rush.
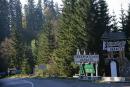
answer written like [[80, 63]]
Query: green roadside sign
[[89, 68]]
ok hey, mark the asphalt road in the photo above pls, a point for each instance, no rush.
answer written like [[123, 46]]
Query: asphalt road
[[55, 83]]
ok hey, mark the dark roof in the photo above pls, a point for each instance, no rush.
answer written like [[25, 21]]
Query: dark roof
[[114, 36]]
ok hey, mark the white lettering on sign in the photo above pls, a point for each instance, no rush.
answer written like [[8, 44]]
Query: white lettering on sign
[[115, 49], [114, 46], [86, 58], [117, 43]]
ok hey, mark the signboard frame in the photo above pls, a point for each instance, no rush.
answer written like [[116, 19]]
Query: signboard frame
[[114, 45], [86, 58]]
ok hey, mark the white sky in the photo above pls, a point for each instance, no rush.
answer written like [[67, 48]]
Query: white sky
[[113, 5], [25, 1]]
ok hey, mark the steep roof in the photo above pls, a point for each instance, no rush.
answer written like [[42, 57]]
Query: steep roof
[[114, 36]]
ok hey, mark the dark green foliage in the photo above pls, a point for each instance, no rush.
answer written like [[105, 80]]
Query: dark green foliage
[[50, 24], [98, 22], [93, 26], [7, 54], [43, 54], [4, 33], [15, 15], [34, 19], [16, 31], [47, 40], [30, 60], [39, 17], [72, 34], [4, 20], [104, 17], [126, 25], [127, 31]]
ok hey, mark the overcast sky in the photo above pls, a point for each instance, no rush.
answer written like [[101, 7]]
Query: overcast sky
[[25, 1], [113, 5], [116, 5]]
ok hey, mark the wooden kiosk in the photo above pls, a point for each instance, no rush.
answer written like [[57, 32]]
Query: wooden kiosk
[[114, 44]]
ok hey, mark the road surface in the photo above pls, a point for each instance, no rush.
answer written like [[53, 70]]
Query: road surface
[[55, 83]]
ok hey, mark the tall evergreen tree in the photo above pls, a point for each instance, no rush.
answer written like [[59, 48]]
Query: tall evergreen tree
[[4, 33], [72, 34], [104, 18], [127, 31], [98, 22], [114, 26], [15, 15], [39, 20], [7, 55], [16, 30], [4, 20], [122, 20], [93, 16], [30, 21], [49, 25], [48, 34]]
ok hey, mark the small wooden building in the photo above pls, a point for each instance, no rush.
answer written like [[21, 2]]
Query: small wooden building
[[113, 45]]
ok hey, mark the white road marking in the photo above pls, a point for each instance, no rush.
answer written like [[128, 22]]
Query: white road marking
[[32, 85]]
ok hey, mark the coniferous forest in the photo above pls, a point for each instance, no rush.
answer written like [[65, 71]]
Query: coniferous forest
[[44, 33]]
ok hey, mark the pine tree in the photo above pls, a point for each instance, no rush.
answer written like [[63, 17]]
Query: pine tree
[[92, 24], [104, 18], [4, 33], [47, 42], [4, 20], [15, 15], [98, 22], [39, 21], [7, 54], [122, 20], [49, 25], [43, 53], [114, 27], [127, 31], [30, 21], [16, 31], [72, 34]]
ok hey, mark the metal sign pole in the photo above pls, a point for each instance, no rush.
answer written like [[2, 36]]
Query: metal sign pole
[[96, 69]]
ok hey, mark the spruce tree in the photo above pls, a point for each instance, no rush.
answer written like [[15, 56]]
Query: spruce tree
[[30, 21], [104, 18], [92, 24], [4, 33], [4, 20], [72, 34], [127, 31], [114, 26], [122, 20], [39, 17], [16, 30], [49, 25], [98, 22]]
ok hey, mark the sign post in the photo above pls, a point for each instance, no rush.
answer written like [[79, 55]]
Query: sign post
[[86, 63]]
